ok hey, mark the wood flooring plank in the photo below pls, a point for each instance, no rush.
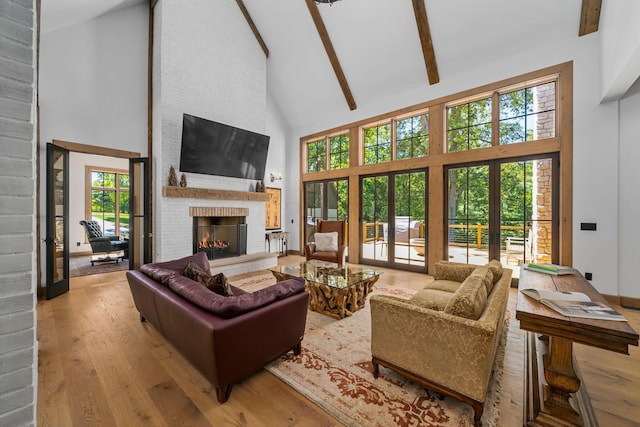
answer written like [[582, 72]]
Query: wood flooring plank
[[110, 353], [52, 393], [176, 408]]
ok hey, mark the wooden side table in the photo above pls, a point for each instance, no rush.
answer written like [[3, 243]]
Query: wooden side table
[[281, 239]]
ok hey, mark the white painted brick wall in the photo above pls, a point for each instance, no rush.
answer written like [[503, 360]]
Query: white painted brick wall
[[18, 350], [208, 64]]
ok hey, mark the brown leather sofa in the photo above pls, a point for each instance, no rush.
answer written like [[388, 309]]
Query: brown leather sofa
[[226, 338]]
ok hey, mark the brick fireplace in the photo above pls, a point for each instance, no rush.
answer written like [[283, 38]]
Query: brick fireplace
[[220, 232]]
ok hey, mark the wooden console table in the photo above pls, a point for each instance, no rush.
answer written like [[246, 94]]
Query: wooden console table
[[552, 391], [281, 238]]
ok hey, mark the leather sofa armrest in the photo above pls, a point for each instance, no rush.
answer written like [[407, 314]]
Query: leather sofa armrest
[[309, 248]]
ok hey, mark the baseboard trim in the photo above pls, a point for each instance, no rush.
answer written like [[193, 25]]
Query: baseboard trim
[[628, 302]]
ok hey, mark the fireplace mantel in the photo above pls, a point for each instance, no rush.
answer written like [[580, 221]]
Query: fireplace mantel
[[213, 194]]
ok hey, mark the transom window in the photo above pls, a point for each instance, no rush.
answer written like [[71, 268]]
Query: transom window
[[339, 152], [317, 156], [377, 144], [528, 114], [335, 149], [412, 137], [469, 126]]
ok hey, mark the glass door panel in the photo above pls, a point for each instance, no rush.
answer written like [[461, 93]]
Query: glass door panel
[[327, 200], [526, 211], [468, 214], [57, 237], [139, 249], [374, 200], [410, 218], [313, 196]]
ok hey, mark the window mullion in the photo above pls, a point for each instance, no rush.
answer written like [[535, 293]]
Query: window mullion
[[495, 119]]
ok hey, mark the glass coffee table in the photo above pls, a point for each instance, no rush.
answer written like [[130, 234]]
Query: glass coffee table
[[337, 291]]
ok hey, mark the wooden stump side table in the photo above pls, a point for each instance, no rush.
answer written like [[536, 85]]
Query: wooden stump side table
[[335, 291]]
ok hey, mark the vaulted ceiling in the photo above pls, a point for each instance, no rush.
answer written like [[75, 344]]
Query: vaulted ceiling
[[334, 58]]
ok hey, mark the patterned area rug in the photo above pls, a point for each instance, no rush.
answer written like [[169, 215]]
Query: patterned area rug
[[335, 371]]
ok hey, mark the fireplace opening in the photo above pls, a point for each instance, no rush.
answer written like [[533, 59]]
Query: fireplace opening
[[220, 237]]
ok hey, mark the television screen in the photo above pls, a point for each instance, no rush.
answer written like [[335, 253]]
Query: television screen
[[214, 148]]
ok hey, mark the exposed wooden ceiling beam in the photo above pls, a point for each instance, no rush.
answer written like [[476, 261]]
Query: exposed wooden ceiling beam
[[331, 53], [256, 33], [589, 17], [420, 12]]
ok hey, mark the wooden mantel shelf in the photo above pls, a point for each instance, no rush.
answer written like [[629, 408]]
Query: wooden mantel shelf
[[210, 193]]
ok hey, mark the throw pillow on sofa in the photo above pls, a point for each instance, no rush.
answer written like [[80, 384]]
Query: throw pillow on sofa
[[217, 283], [326, 242]]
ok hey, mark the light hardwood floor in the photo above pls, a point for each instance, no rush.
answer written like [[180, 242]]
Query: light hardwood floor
[[98, 365]]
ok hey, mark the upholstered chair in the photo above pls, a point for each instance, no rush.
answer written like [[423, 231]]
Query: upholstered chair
[[329, 244], [103, 244]]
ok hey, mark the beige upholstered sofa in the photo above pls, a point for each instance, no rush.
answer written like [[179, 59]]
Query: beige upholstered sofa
[[445, 337]]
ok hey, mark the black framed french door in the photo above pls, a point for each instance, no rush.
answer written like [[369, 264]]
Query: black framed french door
[[57, 232], [503, 209], [393, 220], [139, 235]]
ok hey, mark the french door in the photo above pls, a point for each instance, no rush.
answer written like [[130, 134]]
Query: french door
[[57, 233], [503, 209], [394, 220], [139, 236]]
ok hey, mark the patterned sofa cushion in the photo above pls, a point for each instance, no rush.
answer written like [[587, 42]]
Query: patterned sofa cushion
[[453, 271], [444, 285], [470, 299], [433, 299], [496, 268]]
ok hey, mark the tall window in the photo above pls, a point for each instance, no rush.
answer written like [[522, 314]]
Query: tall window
[[412, 137], [528, 114], [108, 201], [377, 144], [469, 125]]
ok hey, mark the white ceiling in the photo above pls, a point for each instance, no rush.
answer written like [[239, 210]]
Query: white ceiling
[[376, 42]]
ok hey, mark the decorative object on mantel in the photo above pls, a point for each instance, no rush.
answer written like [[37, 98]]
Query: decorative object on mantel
[[183, 181], [260, 187], [173, 179]]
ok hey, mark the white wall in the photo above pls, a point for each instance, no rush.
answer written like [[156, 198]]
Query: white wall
[[93, 82], [629, 209], [206, 63], [620, 41]]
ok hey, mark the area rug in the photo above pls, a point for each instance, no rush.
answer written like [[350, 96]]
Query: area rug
[[335, 371], [81, 266]]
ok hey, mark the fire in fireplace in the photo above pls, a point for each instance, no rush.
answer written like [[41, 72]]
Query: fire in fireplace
[[220, 237]]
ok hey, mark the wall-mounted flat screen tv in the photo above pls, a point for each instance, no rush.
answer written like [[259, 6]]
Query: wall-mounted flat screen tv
[[214, 148]]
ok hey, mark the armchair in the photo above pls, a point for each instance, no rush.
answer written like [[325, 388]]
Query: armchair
[[338, 256], [103, 244]]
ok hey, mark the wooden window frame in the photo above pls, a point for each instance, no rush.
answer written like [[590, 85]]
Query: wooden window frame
[[438, 158], [89, 188]]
